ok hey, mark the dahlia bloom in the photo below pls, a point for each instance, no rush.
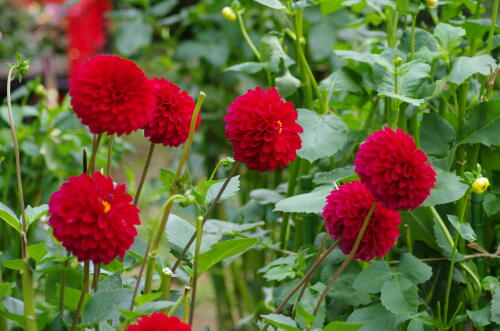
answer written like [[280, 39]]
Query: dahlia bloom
[[394, 170], [159, 322], [112, 95], [93, 218], [262, 128], [172, 116], [345, 212]]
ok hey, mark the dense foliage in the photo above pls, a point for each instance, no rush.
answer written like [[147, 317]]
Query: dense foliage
[[385, 217]]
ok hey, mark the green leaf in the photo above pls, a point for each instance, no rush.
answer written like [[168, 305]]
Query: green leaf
[[103, 306], [312, 202], [343, 326], [323, 136], [371, 279], [231, 189], [179, 232], [491, 204], [375, 318], [465, 229], [415, 102], [448, 189], [272, 53], [37, 251], [279, 273], [444, 245], [330, 6], [423, 39], [275, 4], [16, 264], [224, 250], [369, 58], [132, 35], [163, 8], [436, 135], [495, 306], [167, 178], [399, 295], [410, 76], [415, 325], [34, 213], [341, 80], [334, 175], [463, 67], [265, 197], [414, 269], [303, 313], [9, 217], [480, 317], [287, 84], [448, 36], [145, 298], [247, 67], [482, 124], [281, 321]]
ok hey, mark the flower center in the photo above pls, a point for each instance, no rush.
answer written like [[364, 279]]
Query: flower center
[[106, 206], [281, 126]]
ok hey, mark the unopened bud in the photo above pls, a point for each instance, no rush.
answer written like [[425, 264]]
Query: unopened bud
[[397, 61], [431, 3], [229, 14], [480, 185]]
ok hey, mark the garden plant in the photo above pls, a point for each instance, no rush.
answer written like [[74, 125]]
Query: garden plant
[[287, 165]]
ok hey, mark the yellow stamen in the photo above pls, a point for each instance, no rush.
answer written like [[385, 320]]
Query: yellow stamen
[[106, 206], [281, 126]]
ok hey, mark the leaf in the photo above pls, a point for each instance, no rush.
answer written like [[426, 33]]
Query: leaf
[[312, 202], [491, 204], [279, 273], [415, 102], [275, 4], [231, 189], [9, 217], [341, 80], [34, 213], [495, 306], [179, 232], [444, 245], [247, 67], [448, 188], [480, 317], [414, 269], [167, 178], [103, 305], [482, 124], [343, 326], [272, 53], [132, 35], [409, 79], [145, 298], [37, 251], [287, 84], [465, 229], [281, 321], [375, 318], [224, 250], [371, 279], [323, 136], [163, 8], [303, 313], [399, 295], [369, 58], [265, 197], [436, 135], [16, 264], [415, 325], [463, 67], [448, 36], [334, 175]]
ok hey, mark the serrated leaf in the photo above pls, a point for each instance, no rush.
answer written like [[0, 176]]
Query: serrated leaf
[[103, 305], [399, 295], [448, 188], [9, 217], [415, 325], [34, 213], [167, 178], [465, 229], [480, 317], [376, 317], [334, 175], [436, 135], [448, 36], [265, 196], [15, 264], [287, 84], [414, 269], [281, 321], [371, 279], [344, 326], [272, 53], [463, 67], [231, 189], [482, 124], [224, 250], [312, 202], [323, 136], [415, 102]]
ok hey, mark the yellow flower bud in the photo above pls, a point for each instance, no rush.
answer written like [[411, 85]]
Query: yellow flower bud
[[229, 14], [480, 185], [431, 3]]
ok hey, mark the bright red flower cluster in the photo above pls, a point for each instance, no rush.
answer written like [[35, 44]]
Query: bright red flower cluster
[[112, 95], [345, 212], [93, 218], [394, 170], [172, 116], [263, 129], [159, 322]]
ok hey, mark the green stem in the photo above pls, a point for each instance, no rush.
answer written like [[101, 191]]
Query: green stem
[[85, 290], [246, 36], [494, 14], [27, 276], [186, 304], [63, 285], [179, 301], [199, 232], [166, 280], [144, 173], [110, 155], [285, 224], [413, 23], [97, 275], [450, 278], [96, 140], [348, 259], [3, 321]]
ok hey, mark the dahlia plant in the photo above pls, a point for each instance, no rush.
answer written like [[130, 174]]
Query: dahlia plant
[[340, 174]]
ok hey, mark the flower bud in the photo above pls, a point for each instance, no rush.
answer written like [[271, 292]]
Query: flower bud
[[229, 14], [480, 185], [431, 3], [397, 61]]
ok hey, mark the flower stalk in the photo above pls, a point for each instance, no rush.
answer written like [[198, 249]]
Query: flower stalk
[[199, 233], [144, 173], [85, 290]]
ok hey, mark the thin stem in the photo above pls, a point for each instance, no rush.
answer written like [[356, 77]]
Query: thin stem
[[63, 285], [450, 278], [144, 173], [97, 274], [96, 140], [179, 301], [165, 286], [199, 232], [186, 304], [348, 259], [413, 23], [285, 224], [139, 276], [110, 154], [246, 36], [85, 290], [207, 214], [3, 321], [494, 14]]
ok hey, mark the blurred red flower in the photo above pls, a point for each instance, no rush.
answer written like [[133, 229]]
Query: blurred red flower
[[263, 129], [345, 211], [159, 322], [172, 116], [112, 95], [394, 170], [93, 218]]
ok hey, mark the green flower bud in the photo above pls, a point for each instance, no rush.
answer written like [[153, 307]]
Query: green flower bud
[[229, 14], [480, 185], [431, 3]]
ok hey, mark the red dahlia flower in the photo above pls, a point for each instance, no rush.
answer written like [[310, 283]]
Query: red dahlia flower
[[159, 322], [262, 128], [172, 116], [345, 212], [93, 218], [112, 95], [394, 170]]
